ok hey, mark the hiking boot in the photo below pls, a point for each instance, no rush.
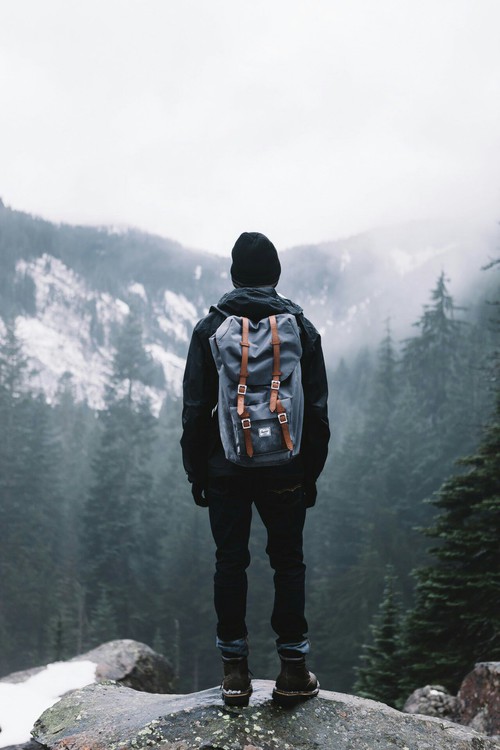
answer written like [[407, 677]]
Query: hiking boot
[[294, 683], [236, 685]]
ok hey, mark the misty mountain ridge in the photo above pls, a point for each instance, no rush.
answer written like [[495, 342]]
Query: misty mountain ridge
[[70, 288]]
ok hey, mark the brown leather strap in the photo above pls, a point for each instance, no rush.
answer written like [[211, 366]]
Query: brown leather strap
[[247, 433], [283, 420], [242, 387], [275, 382]]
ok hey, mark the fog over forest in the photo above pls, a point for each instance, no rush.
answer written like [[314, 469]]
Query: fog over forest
[[110, 543]]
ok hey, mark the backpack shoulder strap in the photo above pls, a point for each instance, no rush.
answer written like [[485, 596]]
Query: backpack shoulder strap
[[242, 388], [275, 382], [275, 402]]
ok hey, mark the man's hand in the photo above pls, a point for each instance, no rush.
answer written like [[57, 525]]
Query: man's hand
[[198, 492], [311, 493]]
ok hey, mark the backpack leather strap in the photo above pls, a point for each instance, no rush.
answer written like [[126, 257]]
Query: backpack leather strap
[[275, 382], [247, 433], [242, 386], [283, 420], [242, 389]]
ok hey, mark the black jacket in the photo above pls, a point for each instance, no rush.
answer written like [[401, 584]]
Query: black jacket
[[202, 450]]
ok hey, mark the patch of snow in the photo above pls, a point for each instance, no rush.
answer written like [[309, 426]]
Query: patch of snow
[[176, 328], [138, 289], [178, 316], [179, 307], [197, 273], [22, 703], [53, 352], [173, 367], [122, 307], [55, 283], [109, 313]]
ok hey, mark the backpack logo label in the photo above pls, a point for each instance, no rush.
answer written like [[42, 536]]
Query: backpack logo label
[[264, 432]]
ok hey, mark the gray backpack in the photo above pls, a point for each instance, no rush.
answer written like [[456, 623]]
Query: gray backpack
[[261, 401]]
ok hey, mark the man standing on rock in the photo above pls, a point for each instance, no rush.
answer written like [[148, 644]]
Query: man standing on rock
[[244, 443]]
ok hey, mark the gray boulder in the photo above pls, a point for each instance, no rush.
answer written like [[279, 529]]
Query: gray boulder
[[433, 700], [477, 704], [479, 698], [107, 715], [132, 664], [128, 662]]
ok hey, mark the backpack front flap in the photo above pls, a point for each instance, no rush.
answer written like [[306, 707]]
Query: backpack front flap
[[260, 407]]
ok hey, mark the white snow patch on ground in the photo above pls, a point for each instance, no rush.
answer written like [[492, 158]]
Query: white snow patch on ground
[[176, 328], [22, 703], [178, 317], [197, 273], [122, 307], [55, 283], [173, 367], [138, 289], [178, 306], [53, 352]]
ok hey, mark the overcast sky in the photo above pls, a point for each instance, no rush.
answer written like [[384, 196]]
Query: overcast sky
[[198, 119]]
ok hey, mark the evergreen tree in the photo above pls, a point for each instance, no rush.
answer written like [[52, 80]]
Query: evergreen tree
[[29, 510], [432, 359], [103, 625], [380, 674], [131, 363], [456, 618], [114, 541]]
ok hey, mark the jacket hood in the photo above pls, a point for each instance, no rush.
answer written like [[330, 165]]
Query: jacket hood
[[256, 303]]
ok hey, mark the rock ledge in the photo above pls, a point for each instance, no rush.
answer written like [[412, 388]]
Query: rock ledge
[[108, 716]]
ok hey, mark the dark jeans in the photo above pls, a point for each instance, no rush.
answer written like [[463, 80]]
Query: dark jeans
[[281, 506]]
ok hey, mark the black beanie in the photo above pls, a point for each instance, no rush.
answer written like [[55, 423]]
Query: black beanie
[[255, 261]]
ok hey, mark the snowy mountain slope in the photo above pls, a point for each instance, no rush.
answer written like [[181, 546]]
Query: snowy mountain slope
[[70, 289], [73, 329]]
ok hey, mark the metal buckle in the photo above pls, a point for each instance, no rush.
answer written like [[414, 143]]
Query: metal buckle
[[245, 423], [282, 418], [275, 385], [242, 389]]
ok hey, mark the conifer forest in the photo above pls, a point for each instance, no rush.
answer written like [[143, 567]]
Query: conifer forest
[[100, 537]]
